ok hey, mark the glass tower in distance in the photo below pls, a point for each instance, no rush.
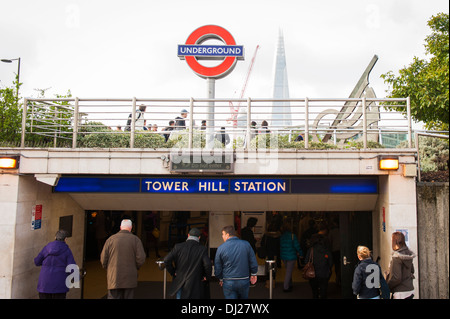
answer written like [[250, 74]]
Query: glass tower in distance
[[281, 111]]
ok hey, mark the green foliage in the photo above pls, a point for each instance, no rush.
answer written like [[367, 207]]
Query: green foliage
[[360, 145], [427, 82], [180, 139], [433, 153], [143, 140], [10, 115], [97, 135]]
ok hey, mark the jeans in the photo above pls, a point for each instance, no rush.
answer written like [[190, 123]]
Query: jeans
[[236, 289], [179, 292], [290, 264]]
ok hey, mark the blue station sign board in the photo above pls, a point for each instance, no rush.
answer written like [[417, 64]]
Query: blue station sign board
[[212, 185]]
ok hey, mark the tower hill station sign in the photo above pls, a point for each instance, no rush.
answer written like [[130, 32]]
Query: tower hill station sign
[[219, 185]]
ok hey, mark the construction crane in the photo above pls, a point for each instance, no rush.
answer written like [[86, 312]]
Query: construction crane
[[235, 109]]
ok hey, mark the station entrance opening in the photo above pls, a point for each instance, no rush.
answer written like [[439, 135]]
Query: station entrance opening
[[161, 230]]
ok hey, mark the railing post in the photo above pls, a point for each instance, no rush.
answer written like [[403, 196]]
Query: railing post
[[364, 122], [133, 122], [162, 267], [75, 124], [24, 122], [306, 123], [408, 111], [271, 264], [191, 123], [416, 137], [248, 135]]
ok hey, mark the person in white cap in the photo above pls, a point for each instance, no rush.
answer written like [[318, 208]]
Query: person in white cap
[[180, 121]]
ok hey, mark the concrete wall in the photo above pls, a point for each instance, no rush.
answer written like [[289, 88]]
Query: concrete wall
[[398, 198], [433, 224], [21, 244], [8, 199]]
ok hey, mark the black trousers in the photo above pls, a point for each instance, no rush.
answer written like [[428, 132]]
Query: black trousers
[[319, 287], [124, 293]]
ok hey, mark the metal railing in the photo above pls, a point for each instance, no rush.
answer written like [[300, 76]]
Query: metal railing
[[69, 122]]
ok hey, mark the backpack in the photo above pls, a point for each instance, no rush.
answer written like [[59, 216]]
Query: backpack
[[128, 126]]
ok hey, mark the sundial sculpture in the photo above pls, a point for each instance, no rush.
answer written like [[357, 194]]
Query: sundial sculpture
[[350, 115]]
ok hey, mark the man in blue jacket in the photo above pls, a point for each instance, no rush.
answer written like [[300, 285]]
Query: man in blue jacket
[[235, 265]]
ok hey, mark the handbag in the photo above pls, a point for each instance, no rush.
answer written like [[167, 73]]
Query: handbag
[[309, 271], [155, 232]]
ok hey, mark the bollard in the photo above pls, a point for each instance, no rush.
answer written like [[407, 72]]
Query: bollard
[[270, 267], [162, 266]]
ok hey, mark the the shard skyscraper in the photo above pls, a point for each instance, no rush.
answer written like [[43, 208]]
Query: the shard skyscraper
[[281, 111]]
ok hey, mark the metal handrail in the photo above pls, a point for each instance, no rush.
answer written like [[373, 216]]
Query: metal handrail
[[60, 118]]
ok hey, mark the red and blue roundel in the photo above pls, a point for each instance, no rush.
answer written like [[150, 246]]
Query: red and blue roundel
[[194, 50]]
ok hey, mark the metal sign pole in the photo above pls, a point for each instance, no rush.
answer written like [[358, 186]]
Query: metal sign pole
[[211, 89]]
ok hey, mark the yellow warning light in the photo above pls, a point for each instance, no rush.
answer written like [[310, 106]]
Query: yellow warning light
[[8, 162], [388, 163]]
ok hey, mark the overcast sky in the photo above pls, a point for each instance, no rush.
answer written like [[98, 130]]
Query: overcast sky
[[121, 49]]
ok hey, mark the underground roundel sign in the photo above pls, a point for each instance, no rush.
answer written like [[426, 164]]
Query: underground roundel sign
[[194, 50]]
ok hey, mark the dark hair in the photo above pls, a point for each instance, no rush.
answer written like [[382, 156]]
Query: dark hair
[[398, 240], [252, 221], [229, 230], [286, 227]]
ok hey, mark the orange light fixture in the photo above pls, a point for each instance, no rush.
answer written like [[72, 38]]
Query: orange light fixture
[[388, 163], [9, 162]]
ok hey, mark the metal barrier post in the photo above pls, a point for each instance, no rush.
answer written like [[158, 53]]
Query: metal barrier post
[[306, 123], [162, 266], [191, 123], [133, 122], [24, 122], [364, 114], [271, 267], [75, 122]]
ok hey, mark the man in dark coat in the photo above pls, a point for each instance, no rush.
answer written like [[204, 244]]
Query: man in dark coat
[[54, 259], [247, 232], [122, 255], [192, 269]]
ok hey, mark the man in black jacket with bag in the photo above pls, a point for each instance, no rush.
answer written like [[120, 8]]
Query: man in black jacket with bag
[[190, 267]]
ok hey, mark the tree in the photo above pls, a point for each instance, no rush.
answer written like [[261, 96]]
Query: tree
[[10, 115], [426, 82]]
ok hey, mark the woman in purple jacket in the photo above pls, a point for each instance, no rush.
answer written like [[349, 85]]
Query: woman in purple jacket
[[54, 258]]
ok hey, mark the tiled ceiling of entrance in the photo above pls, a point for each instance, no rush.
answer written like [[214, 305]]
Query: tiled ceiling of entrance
[[185, 202]]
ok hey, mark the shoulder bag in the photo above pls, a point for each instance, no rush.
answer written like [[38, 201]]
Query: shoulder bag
[[308, 270]]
